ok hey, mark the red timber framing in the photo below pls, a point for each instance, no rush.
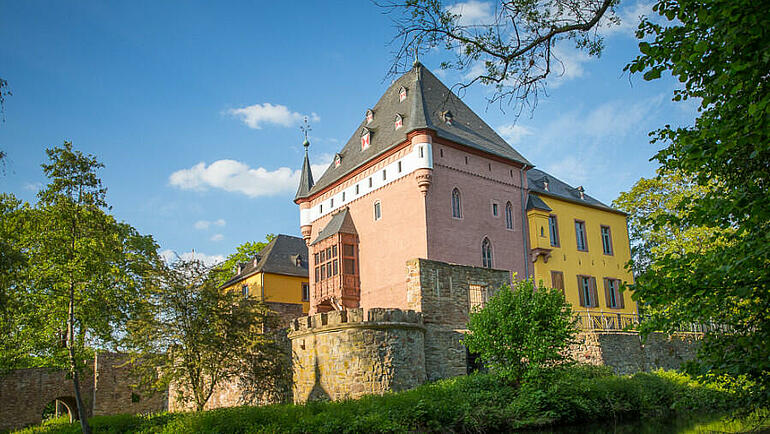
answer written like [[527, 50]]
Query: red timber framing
[[336, 281]]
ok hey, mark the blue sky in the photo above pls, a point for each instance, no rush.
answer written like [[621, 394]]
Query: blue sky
[[194, 107]]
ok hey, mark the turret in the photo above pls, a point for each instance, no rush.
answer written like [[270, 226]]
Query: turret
[[305, 184]]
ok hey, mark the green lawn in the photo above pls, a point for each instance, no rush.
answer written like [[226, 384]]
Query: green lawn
[[476, 403]]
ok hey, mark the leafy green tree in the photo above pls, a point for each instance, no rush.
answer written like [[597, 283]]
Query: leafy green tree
[[243, 253], [720, 51], [194, 336], [512, 49], [522, 331], [651, 198], [87, 270]]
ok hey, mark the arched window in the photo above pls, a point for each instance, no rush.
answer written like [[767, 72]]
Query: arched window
[[486, 253], [377, 210], [508, 216], [457, 210]]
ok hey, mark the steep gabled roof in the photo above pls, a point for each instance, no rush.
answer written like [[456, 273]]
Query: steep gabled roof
[[534, 202], [279, 256], [340, 222], [559, 189], [427, 102]]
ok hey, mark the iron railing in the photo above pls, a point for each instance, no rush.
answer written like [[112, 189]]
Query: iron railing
[[607, 321]]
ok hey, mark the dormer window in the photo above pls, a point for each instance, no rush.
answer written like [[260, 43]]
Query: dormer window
[[337, 160], [365, 138], [448, 117], [401, 94], [399, 121], [369, 116], [545, 184], [581, 192]]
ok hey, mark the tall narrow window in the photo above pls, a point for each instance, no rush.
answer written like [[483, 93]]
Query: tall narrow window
[[606, 240], [580, 235], [370, 182], [587, 291], [245, 290], [494, 209], [377, 210], [476, 297], [357, 189], [305, 292], [399, 167], [398, 121], [553, 227], [384, 174], [486, 253], [557, 281], [612, 293], [401, 94], [365, 139], [508, 216], [457, 210]]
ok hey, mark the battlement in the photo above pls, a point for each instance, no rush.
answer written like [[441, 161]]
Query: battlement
[[355, 317]]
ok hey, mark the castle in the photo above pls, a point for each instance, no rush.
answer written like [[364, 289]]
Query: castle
[[419, 218]]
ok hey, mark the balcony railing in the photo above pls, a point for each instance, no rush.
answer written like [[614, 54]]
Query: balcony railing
[[608, 321]]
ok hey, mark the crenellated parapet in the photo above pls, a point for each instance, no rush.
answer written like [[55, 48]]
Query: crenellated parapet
[[350, 353]]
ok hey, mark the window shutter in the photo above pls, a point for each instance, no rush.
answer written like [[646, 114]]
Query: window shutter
[[607, 295], [594, 293], [580, 291], [620, 296]]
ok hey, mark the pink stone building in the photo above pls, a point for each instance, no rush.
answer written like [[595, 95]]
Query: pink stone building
[[421, 177]]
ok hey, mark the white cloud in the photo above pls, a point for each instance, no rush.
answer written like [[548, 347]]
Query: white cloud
[[203, 225], [238, 177], [567, 64], [33, 186], [170, 256], [473, 12], [569, 169], [217, 237], [629, 15], [513, 133], [258, 114]]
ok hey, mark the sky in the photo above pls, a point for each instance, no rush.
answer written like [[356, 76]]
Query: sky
[[194, 107]]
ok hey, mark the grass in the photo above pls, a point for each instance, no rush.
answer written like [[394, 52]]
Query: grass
[[476, 403]]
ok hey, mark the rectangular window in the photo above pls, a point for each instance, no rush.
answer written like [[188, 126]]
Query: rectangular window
[[580, 235], [421, 152], [328, 270], [557, 281], [335, 269], [377, 211], [476, 296], [317, 275], [399, 167], [328, 253], [370, 182], [348, 250], [356, 188], [587, 291], [245, 290], [349, 266], [343, 196], [553, 226], [384, 174], [323, 255], [305, 292], [323, 272], [606, 240], [331, 205], [334, 251], [315, 258], [494, 209], [612, 293]]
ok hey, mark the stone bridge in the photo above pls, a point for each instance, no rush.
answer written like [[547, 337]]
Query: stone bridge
[[106, 388]]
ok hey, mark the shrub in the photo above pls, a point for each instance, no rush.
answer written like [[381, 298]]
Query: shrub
[[522, 332]]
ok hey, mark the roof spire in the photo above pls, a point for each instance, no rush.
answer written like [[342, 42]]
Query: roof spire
[[306, 176], [416, 58]]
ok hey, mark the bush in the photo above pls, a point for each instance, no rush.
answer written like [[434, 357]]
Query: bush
[[522, 332]]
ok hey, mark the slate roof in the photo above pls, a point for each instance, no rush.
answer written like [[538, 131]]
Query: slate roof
[[560, 190], [306, 177], [340, 222], [278, 257], [427, 102], [534, 202]]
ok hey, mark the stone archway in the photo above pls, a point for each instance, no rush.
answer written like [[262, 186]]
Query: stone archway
[[61, 406]]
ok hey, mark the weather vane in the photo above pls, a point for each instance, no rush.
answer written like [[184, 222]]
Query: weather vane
[[305, 129]]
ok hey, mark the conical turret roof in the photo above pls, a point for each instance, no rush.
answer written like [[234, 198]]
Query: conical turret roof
[[306, 178]]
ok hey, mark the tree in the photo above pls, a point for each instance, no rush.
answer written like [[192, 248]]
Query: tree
[[649, 199], [88, 269], [193, 335], [522, 331], [243, 253], [513, 47], [718, 50]]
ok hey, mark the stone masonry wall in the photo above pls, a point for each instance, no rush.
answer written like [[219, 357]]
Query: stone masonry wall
[[441, 292], [115, 390], [340, 355], [626, 353]]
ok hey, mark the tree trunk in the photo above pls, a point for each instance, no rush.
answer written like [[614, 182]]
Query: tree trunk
[[73, 363]]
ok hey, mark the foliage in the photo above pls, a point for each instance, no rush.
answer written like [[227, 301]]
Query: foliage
[[646, 202], [83, 270], [720, 52], [4, 92], [513, 47], [243, 253], [190, 333], [522, 331], [474, 403]]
